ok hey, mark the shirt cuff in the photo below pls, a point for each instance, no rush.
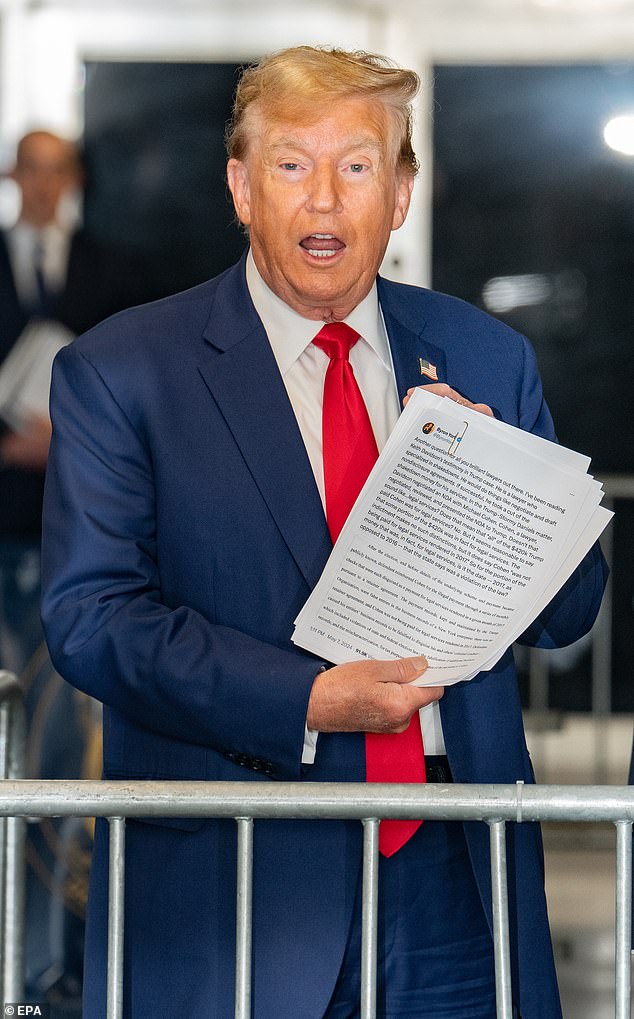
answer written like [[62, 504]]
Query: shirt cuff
[[310, 745]]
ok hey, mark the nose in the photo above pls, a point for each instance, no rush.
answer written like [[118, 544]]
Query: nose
[[323, 191]]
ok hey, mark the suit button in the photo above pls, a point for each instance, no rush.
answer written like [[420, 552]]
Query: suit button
[[229, 754]]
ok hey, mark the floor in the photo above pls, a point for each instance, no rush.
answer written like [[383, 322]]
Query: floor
[[580, 858]]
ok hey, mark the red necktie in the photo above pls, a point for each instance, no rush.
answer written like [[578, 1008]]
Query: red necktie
[[349, 453]]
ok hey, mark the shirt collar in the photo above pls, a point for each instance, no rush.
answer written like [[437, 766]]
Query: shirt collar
[[290, 334], [27, 233]]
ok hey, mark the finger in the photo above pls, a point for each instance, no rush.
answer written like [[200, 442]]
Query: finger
[[426, 694], [483, 408], [462, 401], [412, 699], [403, 670], [437, 389], [442, 389]]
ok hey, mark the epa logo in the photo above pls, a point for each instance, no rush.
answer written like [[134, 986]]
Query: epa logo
[[20, 1008]]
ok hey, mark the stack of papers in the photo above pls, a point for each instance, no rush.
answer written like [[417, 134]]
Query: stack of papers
[[25, 375], [464, 531]]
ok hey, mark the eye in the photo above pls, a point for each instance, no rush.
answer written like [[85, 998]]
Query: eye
[[357, 167], [290, 166]]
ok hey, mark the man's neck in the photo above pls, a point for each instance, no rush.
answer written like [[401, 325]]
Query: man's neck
[[37, 224]]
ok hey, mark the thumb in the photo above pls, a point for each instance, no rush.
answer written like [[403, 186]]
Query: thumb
[[483, 408], [405, 670]]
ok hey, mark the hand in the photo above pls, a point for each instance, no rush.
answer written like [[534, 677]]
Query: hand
[[442, 389], [368, 696], [28, 448]]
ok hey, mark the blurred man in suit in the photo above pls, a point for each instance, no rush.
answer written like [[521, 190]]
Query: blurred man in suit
[[205, 453], [50, 273]]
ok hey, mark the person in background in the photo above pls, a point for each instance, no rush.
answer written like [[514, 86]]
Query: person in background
[[206, 450], [50, 274]]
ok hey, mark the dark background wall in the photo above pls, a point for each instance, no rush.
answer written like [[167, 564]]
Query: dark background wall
[[154, 149], [533, 220]]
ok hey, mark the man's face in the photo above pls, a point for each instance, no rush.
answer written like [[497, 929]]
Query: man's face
[[45, 171], [320, 199]]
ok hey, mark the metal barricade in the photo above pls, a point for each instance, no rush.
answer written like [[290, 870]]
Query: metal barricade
[[616, 487], [12, 834], [248, 802]]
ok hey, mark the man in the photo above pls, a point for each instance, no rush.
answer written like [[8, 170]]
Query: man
[[189, 512], [57, 276]]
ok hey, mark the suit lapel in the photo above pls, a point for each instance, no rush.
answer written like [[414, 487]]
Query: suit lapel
[[408, 332], [13, 318], [241, 374]]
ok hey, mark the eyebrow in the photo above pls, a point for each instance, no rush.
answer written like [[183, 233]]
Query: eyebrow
[[361, 142]]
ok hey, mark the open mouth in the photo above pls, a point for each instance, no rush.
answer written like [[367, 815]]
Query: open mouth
[[322, 246]]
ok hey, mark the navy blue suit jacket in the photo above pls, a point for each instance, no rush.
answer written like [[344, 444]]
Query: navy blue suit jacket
[[183, 532]]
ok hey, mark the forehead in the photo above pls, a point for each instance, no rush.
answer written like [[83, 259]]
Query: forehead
[[338, 126], [44, 150]]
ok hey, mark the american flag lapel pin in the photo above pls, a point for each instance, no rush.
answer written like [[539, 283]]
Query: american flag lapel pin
[[428, 369]]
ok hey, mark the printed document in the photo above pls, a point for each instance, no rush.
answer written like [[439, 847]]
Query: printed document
[[25, 375], [464, 531]]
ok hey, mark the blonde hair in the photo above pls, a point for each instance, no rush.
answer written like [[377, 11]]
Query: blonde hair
[[287, 84]]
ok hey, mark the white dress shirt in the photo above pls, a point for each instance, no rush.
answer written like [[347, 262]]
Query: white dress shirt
[[23, 241], [303, 367]]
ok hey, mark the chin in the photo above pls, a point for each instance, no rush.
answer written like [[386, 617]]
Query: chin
[[324, 288]]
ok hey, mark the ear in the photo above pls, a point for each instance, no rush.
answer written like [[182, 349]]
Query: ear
[[404, 187], [238, 181]]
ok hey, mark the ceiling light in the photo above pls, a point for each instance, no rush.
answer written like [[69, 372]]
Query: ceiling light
[[618, 134]]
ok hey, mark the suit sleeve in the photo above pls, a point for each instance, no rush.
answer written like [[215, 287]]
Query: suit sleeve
[[168, 669], [574, 608]]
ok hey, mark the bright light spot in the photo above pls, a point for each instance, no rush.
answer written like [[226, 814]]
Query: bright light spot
[[503, 293], [618, 133]]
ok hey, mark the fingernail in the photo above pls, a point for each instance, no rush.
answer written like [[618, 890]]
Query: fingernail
[[420, 662]]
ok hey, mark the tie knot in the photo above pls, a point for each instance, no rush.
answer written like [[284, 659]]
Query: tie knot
[[336, 340]]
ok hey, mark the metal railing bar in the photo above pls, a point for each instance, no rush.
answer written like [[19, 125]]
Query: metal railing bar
[[13, 737], [615, 486], [369, 917], [4, 824], [623, 925], [500, 906], [601, 634], [245, 802], [116, 912], [62, 798], [244, 912], [14, 906], [4, 737], [12, 838]]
